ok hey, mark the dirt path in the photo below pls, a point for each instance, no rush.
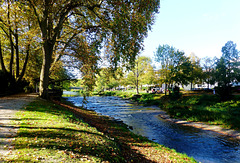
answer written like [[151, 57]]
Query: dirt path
[[8, 107]]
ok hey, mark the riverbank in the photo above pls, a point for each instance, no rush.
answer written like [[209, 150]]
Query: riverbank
[[201, 125], [206, 112], [135, 148], [201, 111], [57, 132]]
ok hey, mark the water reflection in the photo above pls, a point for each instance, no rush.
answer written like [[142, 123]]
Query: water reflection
[[202, 145]]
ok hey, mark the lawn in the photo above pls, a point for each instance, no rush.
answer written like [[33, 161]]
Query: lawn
[[58, 132]]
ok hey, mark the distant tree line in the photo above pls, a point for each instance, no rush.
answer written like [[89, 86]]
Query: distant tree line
[[177, 69]]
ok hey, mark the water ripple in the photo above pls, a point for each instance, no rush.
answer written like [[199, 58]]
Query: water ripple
[[203, 146]]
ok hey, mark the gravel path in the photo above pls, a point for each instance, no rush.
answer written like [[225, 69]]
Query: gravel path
[[8, 107]]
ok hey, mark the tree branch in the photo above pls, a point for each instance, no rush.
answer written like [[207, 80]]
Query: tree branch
[[35, 12]]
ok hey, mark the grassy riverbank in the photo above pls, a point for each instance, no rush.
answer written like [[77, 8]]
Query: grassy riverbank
[[204, 108], [198, 107], [143, 98], [58, 132]]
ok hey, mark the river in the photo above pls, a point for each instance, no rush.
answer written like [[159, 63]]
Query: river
[[201, 145]]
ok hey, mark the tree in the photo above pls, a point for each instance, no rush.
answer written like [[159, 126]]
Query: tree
[[138, 72], [108, 79], [149, 76], [120, 26], [180, 70], [227, 70], [16, 42], [164, 56], [208, 67], [196, 75], [175, 66]]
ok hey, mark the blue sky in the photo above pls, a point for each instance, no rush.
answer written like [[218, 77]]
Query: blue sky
[[199, 26]]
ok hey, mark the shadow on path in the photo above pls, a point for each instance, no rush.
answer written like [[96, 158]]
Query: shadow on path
[[9, 105]]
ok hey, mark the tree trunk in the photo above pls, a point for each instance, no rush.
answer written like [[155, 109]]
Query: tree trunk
[[137, 78], [166, 89], [1, 60], [11, 42], [25, 64], [17, 54], [137, 86], [44, 76]]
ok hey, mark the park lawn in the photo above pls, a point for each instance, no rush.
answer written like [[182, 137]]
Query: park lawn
[[57, 132]]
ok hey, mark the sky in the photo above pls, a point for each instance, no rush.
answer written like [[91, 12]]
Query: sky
[[201, 27]]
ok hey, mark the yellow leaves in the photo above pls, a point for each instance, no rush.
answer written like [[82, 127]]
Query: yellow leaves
[[71, 144]]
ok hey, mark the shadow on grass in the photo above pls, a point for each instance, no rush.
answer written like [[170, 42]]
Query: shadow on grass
[[69, 141], [113, 145], [50, 131], [119, 132]]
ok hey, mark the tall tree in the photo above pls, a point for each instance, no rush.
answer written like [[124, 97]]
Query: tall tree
[[149, 75], [227, 70], [140, 69], [176, 68], [164, 55], [180, 69], [16, 39], [208, 67], [121, 25], [196, 75]]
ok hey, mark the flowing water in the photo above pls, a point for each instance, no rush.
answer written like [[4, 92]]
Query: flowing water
[[201, 145]]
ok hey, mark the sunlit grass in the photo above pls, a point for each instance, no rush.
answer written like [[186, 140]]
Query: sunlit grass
[[205, 108], [49, 133]]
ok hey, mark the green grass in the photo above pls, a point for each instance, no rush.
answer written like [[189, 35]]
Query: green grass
[[47, 133], [200, 107], [204, 108], [51, 133], [143, 98]]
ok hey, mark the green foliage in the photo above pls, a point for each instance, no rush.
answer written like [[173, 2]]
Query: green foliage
[[196, 74], [75, 32], [176, 68], [142, 73], [208, 66], [227, 70], [108, 79]]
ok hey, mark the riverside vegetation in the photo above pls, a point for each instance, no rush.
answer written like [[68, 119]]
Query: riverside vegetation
[[58, 132]]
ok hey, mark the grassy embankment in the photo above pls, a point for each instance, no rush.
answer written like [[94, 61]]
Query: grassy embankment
[[52, 133], [198, 107], [204, 108]]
